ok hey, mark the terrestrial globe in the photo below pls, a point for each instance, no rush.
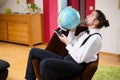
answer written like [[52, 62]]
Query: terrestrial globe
[[68, 18]]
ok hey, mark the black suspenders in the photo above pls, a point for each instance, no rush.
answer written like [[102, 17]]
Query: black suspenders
[[89, 37]]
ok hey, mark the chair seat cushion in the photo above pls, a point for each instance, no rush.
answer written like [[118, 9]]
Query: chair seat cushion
[[4, 64]]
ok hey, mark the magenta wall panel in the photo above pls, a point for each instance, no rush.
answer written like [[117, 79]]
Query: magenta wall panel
[[50, 10], [90, 6], [74, 4]]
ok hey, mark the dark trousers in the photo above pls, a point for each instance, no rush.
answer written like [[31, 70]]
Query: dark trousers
[[51, 65]]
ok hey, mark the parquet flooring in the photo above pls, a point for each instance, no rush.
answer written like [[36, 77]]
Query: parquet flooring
[[17, 55]]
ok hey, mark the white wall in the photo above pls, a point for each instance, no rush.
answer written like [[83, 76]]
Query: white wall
[[2, 2], [14, 6], [20, 7], [111, 35], [39, 3]]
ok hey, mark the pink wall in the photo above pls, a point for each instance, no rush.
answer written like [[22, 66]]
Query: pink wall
[[50, 8], [90, 6], [74, 4]]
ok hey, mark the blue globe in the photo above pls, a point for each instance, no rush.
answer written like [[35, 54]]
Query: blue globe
[[68, 18]]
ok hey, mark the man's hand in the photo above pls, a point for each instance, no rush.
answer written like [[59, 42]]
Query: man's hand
[[64, 39]]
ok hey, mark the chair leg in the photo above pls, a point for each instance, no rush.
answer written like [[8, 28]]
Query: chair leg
[[36, 63]]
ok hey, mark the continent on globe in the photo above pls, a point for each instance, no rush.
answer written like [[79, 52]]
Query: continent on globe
[[68, 18]]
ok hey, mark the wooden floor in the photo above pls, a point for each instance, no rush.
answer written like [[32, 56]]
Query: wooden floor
[[17, 56]]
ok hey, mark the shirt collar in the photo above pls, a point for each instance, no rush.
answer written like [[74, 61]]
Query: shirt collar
[[91, 31]]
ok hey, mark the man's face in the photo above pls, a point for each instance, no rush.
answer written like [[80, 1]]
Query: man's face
[[90, 19]]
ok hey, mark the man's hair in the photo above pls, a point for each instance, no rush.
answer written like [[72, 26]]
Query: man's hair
[[102, 19]]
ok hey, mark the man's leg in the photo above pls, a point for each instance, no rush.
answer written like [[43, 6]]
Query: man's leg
[[50, 68], [39, 54]]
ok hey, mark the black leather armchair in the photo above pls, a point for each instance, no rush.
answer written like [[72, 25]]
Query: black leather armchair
[[4, 69]]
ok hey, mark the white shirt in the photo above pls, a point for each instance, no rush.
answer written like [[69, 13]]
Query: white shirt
[[87, 52]]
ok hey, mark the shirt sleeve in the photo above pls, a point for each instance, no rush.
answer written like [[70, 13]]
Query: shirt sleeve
[[87, 52], [70, 35]]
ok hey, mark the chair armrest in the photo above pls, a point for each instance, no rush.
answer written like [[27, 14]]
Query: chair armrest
[[90, 70], [4, 64]]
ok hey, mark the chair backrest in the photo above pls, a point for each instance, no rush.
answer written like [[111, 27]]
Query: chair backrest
[[56, 46]]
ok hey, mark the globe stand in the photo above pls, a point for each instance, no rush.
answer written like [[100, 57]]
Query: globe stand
[[58, 32]]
